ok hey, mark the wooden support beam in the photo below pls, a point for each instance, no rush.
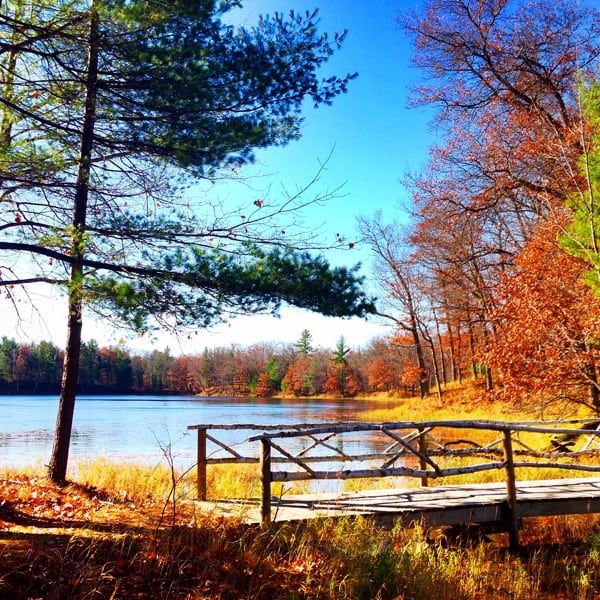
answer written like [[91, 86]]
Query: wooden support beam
[[511, 491], [265, 469], [201, 465], [423, 452]]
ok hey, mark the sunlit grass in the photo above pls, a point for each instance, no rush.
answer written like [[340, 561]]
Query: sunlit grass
[[200, 556], [351, 558], [130, 481], [468, 403]]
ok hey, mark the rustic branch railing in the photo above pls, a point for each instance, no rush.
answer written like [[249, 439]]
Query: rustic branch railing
[[401, 449]]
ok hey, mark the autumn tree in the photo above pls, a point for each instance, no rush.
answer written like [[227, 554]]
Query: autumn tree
[[341, 379], [181, 376], [382, 376], [399, 275], [503, 78], [463, 259], [548, 325], [269, 380], [307, 372], [111, 109], [297, 379]]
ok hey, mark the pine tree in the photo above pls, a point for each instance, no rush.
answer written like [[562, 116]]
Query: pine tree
[[111, 110]]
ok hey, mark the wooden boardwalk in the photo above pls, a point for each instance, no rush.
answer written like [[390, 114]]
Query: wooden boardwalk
[[483, 504], [429, 452]]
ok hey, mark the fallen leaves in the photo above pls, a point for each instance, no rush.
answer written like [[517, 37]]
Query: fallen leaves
[[78, 542]]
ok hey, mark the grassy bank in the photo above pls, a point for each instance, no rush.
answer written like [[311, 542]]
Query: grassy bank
[[124, 532], [85, 542]]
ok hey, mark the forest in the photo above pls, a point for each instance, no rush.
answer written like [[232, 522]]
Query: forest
[[261, 370], [499, 265]]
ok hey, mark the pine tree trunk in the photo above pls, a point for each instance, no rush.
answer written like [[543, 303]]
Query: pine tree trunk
[[57, 468]]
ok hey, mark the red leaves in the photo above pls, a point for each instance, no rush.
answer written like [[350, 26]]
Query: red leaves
[[297, 379], [264, 388], [342, 381], [42, 500], [382, 376], [259, 203], [546, 322]]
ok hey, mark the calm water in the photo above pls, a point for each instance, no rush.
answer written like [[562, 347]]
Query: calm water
[[137, 428]]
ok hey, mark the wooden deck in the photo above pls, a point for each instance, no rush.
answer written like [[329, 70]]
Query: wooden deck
[[484, 504], [426, 451]]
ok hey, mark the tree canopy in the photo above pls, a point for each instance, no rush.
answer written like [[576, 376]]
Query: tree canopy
[[169, 87], [510, 186]]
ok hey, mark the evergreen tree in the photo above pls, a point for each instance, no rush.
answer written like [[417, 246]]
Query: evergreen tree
[[304, 344], [582, 237], [341, 379], [9, 350], [269, 381], [110, 110], [341, 350]]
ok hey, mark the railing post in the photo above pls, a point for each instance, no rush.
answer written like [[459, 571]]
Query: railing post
[[511, 491], [265, 469], [422, 461], [201, 465]]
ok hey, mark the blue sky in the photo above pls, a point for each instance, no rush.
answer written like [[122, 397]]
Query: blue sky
[[376, 139]]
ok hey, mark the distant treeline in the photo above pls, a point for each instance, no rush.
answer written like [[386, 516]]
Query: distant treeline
[[262, 370]]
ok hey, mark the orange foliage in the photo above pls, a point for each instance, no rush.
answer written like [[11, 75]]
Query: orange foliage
[[547, 323], [263, 387], [342, 381], [411, 375], [381, 375], [297, 379]]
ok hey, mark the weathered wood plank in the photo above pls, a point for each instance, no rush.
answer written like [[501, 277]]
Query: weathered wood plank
[[448, 505], [499, 505]]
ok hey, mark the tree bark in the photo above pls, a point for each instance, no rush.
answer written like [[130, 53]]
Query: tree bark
[[423, 371], [57, 469]]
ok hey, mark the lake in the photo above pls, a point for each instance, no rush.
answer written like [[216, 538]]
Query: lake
[[137, 428]]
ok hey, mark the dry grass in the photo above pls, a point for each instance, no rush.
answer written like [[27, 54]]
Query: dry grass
[[84, 542]]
